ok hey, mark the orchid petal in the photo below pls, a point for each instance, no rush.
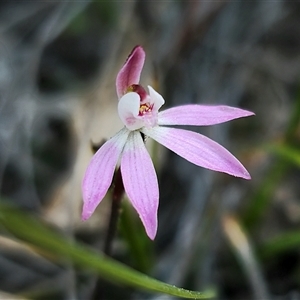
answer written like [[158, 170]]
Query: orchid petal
[[140, 181], [200, 115], [100, 171], [198, 149], [156, 99], [128, 108], [131, 71]]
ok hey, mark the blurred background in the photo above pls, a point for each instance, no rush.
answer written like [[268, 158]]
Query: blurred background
[[58, 64]]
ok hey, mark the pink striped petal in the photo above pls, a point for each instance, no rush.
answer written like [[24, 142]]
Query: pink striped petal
[[198, 149], [200, 115], [100, 171], [140, 181], [131, 70]]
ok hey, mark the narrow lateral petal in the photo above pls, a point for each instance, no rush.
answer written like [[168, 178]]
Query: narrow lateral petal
[[131, 71], [140, 181], [100, 171], [200, 115], [198, 149], [156, 99]]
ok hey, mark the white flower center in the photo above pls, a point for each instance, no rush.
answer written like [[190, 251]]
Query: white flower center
[[137, 109]]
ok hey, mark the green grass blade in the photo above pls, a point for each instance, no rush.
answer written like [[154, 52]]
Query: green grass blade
[[263, 195], [282, 165], [280, 244], [34, 232], [287, 152]]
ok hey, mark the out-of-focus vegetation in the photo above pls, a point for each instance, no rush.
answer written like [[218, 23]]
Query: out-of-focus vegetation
[[58, 63], [59, 249]]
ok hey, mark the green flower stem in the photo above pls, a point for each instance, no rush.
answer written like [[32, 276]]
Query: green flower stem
[[117, 195]]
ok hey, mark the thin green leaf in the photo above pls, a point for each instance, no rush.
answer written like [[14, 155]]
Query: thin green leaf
[[287, 152], [282, 243], [263, 195], [294, 120], [34, 232]]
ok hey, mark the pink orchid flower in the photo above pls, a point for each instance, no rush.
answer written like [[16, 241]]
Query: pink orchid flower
[[140, 114]]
